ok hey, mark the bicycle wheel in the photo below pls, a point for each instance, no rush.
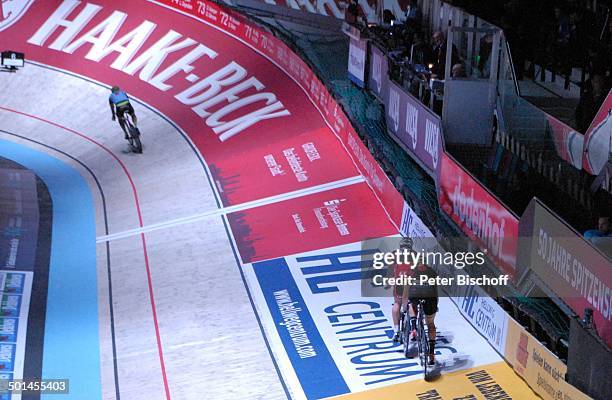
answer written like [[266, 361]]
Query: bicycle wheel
[[424, 345], [419, 343], [137, 144], [406, 335], [134, 139]]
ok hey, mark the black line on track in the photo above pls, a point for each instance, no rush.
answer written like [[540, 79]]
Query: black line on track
[[217, 201], [108, 263], [246, 286]]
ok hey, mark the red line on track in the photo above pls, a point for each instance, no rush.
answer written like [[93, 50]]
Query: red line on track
[[144, 243]]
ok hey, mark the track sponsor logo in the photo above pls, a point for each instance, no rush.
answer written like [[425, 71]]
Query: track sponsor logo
[[8, 329], [378, 76], [15, 292], [493, 382], [432, 137], [12, 282], [485, 315], [328, 338], [18, 219], [206, 76], [10, 305], [235, 97], [377, 69], [11, 11], [7, 356], [337, 216]]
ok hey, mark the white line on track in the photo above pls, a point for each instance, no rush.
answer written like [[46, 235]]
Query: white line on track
[[230, 209]]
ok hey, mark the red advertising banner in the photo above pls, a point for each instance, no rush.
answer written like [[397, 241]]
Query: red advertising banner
[[321, 220], [479, 214], [598, 139], [203, 69], [568, 143], [289, 163], [281, 55]]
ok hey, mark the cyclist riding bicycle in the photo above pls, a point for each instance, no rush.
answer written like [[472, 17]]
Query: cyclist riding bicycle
[[429, 294], [119, 103], [400, 292]]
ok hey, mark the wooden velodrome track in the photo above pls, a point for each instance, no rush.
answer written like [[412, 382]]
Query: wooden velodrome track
[[198, 289], [179, 319]]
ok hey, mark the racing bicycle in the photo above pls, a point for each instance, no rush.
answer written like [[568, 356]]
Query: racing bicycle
[[133, 133], [422, 338]]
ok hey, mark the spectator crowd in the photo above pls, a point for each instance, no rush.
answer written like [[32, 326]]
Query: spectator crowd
[[557, 35], [554, 35]]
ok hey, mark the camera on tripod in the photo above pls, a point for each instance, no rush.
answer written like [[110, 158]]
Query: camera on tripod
[[11, 61]]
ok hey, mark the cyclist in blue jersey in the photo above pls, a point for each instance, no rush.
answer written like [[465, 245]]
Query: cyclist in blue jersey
[[119, 103]]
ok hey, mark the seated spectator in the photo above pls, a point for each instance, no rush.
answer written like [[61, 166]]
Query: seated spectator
[[458, 71], [604, 229], [416, 50], [484, 56], [438, 55], [593, 94], [602, 236], [562, 25], [414, 15], [352, 12], [388, 16]]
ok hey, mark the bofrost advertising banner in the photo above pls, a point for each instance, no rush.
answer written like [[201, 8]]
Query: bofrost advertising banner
[[479, 214]]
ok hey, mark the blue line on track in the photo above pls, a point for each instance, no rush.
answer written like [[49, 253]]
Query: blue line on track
[[71, 344]]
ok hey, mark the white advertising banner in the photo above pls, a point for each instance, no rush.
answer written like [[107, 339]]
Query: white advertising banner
[[357, 61]]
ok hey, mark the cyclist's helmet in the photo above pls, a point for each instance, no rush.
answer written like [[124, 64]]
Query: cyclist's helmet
[[115, 89], [406, 243], [423, 268]]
